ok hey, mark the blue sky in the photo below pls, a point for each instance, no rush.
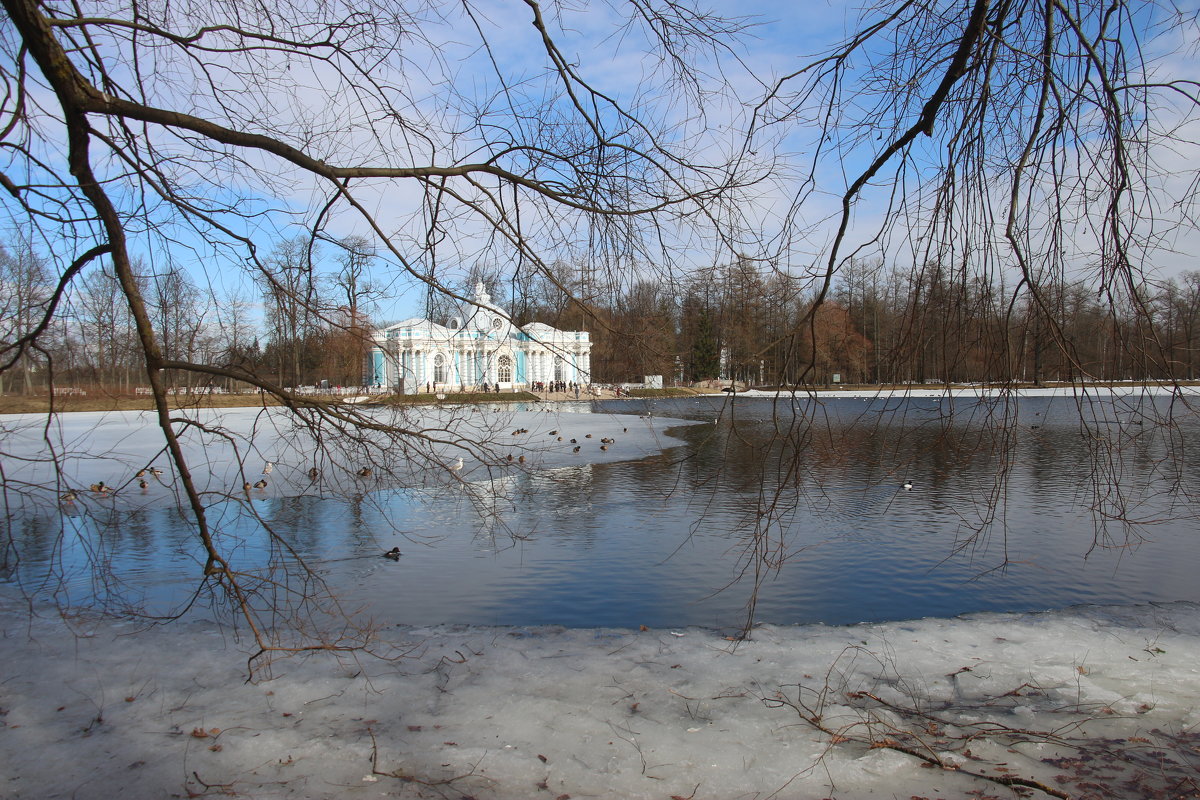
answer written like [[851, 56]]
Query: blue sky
[[452, 69]]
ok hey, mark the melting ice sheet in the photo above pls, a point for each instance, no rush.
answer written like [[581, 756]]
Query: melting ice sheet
[[227, 448], [518, 713]]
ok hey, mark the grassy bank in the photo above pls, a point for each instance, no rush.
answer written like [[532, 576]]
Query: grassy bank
[[457, 398], [98, 401], [901, 388]]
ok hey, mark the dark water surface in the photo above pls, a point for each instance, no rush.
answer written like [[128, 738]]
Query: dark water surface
[[1032, 504]]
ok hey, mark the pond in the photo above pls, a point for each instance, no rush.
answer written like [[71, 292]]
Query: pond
[[777, 510]]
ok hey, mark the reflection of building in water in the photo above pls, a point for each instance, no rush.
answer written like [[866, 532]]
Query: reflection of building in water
[[479, 346], [562, 490]]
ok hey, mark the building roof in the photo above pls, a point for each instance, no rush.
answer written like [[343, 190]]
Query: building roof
[[541, 332], [482, 308], [425, 326]]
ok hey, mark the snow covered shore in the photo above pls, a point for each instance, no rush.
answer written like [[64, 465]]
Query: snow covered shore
[[520, 713], [1097, 390]]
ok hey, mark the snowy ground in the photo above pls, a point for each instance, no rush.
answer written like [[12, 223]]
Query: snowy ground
[[1079, 390], [521, 713]]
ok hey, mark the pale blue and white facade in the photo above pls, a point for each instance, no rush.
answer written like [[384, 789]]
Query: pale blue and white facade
[[479, 346]]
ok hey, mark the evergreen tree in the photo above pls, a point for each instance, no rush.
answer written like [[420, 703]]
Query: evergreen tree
[[706, 357]]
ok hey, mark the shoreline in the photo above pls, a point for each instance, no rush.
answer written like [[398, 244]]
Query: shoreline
[[11, 405], [990, 392], [39, 404]]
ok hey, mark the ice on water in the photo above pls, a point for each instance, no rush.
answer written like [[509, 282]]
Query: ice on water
[[229, 447]]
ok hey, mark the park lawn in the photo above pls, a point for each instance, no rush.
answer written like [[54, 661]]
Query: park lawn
[[103, 401]]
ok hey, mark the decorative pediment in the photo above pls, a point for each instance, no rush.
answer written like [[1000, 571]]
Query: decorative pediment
[[541, 332], [540, 329], [420, 327]]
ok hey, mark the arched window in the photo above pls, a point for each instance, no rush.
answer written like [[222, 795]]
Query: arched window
[[504, 369], [439, 368], [558, 368]]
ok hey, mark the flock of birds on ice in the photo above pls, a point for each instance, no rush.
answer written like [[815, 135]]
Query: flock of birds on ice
[[102, 489]]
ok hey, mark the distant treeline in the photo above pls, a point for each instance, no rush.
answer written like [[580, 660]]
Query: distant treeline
[[302, 325], [879, 323], [748, 322]]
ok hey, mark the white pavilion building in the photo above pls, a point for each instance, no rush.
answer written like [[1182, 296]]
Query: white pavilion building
[[479, 346]]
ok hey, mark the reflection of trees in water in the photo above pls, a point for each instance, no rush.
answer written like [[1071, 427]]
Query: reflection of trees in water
[[831, 481], [793, 469], [93, 555]]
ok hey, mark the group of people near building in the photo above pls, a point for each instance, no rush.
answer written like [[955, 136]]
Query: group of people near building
[[556, 386]]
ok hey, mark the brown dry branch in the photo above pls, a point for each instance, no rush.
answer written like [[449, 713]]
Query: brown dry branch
[[950, 735], [401, 775]]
